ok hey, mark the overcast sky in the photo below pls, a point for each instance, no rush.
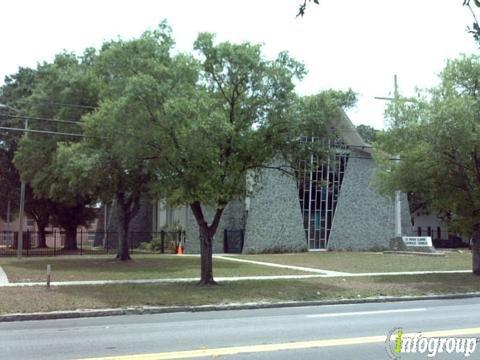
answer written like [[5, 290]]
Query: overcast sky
[[349, 43]]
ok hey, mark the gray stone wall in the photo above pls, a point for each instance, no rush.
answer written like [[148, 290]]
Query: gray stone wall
[[274, 220], [140, 229], [141, 224], [364, 219], [233, 218]]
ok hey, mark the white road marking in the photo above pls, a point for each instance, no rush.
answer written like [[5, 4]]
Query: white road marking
[[357, 313], [245, 349]]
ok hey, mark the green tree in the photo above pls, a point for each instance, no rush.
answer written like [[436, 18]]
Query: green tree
[[136, 79], [438, 138], [303, 7], [475, 29], [17, 88], [368, 133], [63, 90], [233, 112]]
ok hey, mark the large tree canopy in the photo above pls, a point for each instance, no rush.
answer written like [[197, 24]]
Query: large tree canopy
[[191, 127], [13, 96], [438, 138], [135, 79], [234, 114], [188, 128], [17, 87], [64, 90]]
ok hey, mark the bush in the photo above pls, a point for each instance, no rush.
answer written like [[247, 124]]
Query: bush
[[277, 250], [155, 245]]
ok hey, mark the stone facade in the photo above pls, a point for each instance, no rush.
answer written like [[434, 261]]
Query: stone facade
[[274, 221], [233, 218], [140, 228], [364, 219]]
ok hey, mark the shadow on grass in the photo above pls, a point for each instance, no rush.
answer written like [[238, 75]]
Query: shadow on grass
[[427, 284], [190, 294], [185, 294], [108, 268]]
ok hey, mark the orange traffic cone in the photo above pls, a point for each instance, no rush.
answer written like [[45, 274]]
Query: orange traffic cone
[[180, 250]]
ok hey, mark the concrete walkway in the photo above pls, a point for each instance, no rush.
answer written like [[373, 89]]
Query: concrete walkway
[[159, 281], [3, 277], [313, 273], [290, 267], [397, 273], [329, 273], [226, 279]]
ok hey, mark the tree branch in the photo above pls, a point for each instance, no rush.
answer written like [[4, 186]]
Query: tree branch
[[216, 220]]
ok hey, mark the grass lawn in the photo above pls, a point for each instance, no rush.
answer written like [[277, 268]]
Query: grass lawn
[[33, 299], [141, 267], [358, 262]]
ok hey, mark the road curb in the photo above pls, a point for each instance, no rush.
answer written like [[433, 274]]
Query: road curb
[[145, 310]]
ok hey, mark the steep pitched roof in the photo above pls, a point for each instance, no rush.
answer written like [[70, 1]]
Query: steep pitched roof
[[349, 134]]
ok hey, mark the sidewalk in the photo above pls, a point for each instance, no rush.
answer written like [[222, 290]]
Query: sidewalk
[[224, 279], [159, 281], [3, 277], [329, 273], [310, 273], [291, 267]]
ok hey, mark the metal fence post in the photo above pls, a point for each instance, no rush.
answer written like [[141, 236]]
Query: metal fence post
[[225, 241], [242, 234], [162, 242], [129, 239], [30, 240]]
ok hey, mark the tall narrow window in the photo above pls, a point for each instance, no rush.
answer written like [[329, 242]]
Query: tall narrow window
[[319, 184]]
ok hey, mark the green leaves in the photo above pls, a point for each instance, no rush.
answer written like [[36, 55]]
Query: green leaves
[[187, 127], [219, 124], [303, 7], [438, 137]]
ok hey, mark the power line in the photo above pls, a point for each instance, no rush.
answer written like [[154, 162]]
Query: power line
[[43, 119], [41, 131], [63, 104]]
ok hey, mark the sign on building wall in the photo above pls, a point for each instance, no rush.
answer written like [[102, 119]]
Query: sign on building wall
[[417, 241]]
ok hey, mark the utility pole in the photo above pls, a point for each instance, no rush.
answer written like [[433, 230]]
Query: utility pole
[[25, 130], [22, 210], [8, 221], [22, 195], [105, 224], [398, 194]]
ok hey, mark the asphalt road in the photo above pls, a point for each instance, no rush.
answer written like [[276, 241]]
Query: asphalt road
[[321, 332]]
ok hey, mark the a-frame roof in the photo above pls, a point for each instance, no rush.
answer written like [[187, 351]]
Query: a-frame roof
[[349, 134]]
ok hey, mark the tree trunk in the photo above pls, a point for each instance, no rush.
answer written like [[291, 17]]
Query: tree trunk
[[206, 256], [70, 238], [476, 254], [123, 252], [42, 238], [206, 242]]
